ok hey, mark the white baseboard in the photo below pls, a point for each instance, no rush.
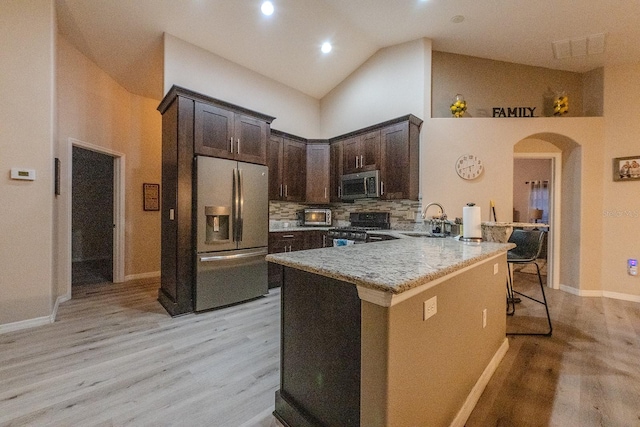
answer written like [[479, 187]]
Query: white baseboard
[[471, 401], [38, 321], [606, 294], [148, 275]]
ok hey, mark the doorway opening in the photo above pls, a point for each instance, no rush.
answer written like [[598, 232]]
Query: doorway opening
[[92, 221], [536, 195], [78, 247]]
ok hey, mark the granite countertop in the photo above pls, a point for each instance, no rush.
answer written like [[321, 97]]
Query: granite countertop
[[514, 224], [392, 266], [276, 229]]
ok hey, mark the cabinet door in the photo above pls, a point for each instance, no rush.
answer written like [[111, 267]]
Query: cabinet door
[[369, 151], [294, 167], [395, 170], [315, 239], [274, 163], [335, 174], [350, 155], [213, 131], [250, 144], [318, 157]]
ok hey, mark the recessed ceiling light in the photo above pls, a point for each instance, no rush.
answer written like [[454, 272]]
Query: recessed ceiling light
[[457, 19], [267, 8], [326, 47]]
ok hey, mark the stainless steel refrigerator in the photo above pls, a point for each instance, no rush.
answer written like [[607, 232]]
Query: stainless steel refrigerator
[[232, 223]]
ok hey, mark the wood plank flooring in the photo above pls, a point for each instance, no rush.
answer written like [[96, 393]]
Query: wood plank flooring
[[115, 358]]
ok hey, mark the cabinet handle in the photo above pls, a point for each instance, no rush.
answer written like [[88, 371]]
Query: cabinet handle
[[356, 162], [339, 192], [381, 188], [288, 236], [280, 191], [361, 161], [238, 147], [324, 240], [286, 191], [325, 192], [231, 145]]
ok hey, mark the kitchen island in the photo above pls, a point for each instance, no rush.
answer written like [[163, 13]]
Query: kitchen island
[[356, 349]]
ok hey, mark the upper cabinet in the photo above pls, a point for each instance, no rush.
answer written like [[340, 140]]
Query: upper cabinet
[[224, 130], [399, 159], [318, 172], [361, 152], [287, 159], [219, 132]]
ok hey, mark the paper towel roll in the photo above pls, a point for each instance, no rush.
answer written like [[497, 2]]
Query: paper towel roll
[[471, 221]]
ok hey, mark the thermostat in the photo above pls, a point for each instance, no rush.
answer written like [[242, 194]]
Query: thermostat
[[23, 174], [632, 267]]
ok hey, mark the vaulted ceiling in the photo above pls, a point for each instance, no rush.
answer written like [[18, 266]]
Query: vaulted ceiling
[[124, 37]]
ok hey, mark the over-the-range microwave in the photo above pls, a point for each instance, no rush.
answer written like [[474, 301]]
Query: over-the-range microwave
[[361, 185]]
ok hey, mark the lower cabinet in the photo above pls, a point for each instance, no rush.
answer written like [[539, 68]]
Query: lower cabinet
[[290, 241]]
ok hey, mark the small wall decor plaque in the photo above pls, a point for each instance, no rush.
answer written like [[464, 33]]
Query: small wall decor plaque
[[626, 168], [151, 197]]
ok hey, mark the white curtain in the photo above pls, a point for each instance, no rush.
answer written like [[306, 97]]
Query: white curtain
[[539, 198]]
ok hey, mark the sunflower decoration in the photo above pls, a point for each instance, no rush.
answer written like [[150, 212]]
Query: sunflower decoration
[[561, 105], [459, 106]]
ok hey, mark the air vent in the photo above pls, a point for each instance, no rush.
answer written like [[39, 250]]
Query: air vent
[[584, 46]]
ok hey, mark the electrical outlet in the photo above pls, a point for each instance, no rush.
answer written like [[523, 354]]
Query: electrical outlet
[[495, 268], [430, 307], [632, 267], [484, 318]]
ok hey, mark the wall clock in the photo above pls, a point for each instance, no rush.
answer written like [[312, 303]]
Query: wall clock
[[469, 166]]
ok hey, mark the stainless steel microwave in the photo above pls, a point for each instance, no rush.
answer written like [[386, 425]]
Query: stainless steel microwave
[[361, 185], [317, 217]]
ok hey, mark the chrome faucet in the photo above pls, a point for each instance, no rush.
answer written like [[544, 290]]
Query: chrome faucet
[[437, 224], [443, 216]]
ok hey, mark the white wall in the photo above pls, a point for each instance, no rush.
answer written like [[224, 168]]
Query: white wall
[[95, 109], [620, 212], [27, 117], [196, 69], [394, 82]]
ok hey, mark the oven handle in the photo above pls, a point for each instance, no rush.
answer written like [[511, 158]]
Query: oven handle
[[213, 258]]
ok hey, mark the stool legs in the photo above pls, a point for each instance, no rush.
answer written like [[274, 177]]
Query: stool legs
[[511, 298]]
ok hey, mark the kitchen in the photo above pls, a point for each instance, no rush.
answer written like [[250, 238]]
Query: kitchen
[[585, 271]]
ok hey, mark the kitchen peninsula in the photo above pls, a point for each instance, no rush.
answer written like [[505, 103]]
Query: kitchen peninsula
[[356, 349]]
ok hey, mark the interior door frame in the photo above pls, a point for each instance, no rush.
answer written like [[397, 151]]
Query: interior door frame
[[555, 198], [118, 205]]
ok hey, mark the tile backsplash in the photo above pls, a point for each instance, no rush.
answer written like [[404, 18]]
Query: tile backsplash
[[405, 214]]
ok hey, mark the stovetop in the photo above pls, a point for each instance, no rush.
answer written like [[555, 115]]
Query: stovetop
[[361, 223]]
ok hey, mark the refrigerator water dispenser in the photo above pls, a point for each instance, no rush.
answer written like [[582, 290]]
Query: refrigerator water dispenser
[[217, 224]]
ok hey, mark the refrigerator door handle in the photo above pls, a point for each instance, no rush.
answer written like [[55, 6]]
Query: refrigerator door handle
[[240, 205], [236, 204], [214, 258]]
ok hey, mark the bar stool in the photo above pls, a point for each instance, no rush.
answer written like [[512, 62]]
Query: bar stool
[[528, 247]]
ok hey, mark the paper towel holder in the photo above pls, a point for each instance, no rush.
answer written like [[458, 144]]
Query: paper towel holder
[[470, 239]]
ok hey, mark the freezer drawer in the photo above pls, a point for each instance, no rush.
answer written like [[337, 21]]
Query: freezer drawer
[[230, 277]]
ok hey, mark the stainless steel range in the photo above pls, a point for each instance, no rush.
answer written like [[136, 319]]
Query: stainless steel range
[[361, 224]]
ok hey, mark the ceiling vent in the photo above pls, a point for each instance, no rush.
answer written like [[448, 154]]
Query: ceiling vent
[[591, 45]]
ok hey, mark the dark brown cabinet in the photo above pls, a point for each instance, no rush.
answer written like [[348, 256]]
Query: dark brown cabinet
[[335, 172], [220, 132], [361, 152], [291, 241], [399, 160], [287, 161], [318, 172], [195, 124]]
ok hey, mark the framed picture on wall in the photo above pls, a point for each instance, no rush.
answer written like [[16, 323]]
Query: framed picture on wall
[[626, 168], [151, 197]]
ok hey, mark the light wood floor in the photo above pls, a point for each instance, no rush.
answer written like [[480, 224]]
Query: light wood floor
[[115, 358]]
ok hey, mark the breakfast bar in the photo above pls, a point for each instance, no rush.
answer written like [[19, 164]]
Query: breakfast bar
[[404, 332]]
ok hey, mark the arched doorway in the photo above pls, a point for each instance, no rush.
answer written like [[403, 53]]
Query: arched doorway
[[564, 197]]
